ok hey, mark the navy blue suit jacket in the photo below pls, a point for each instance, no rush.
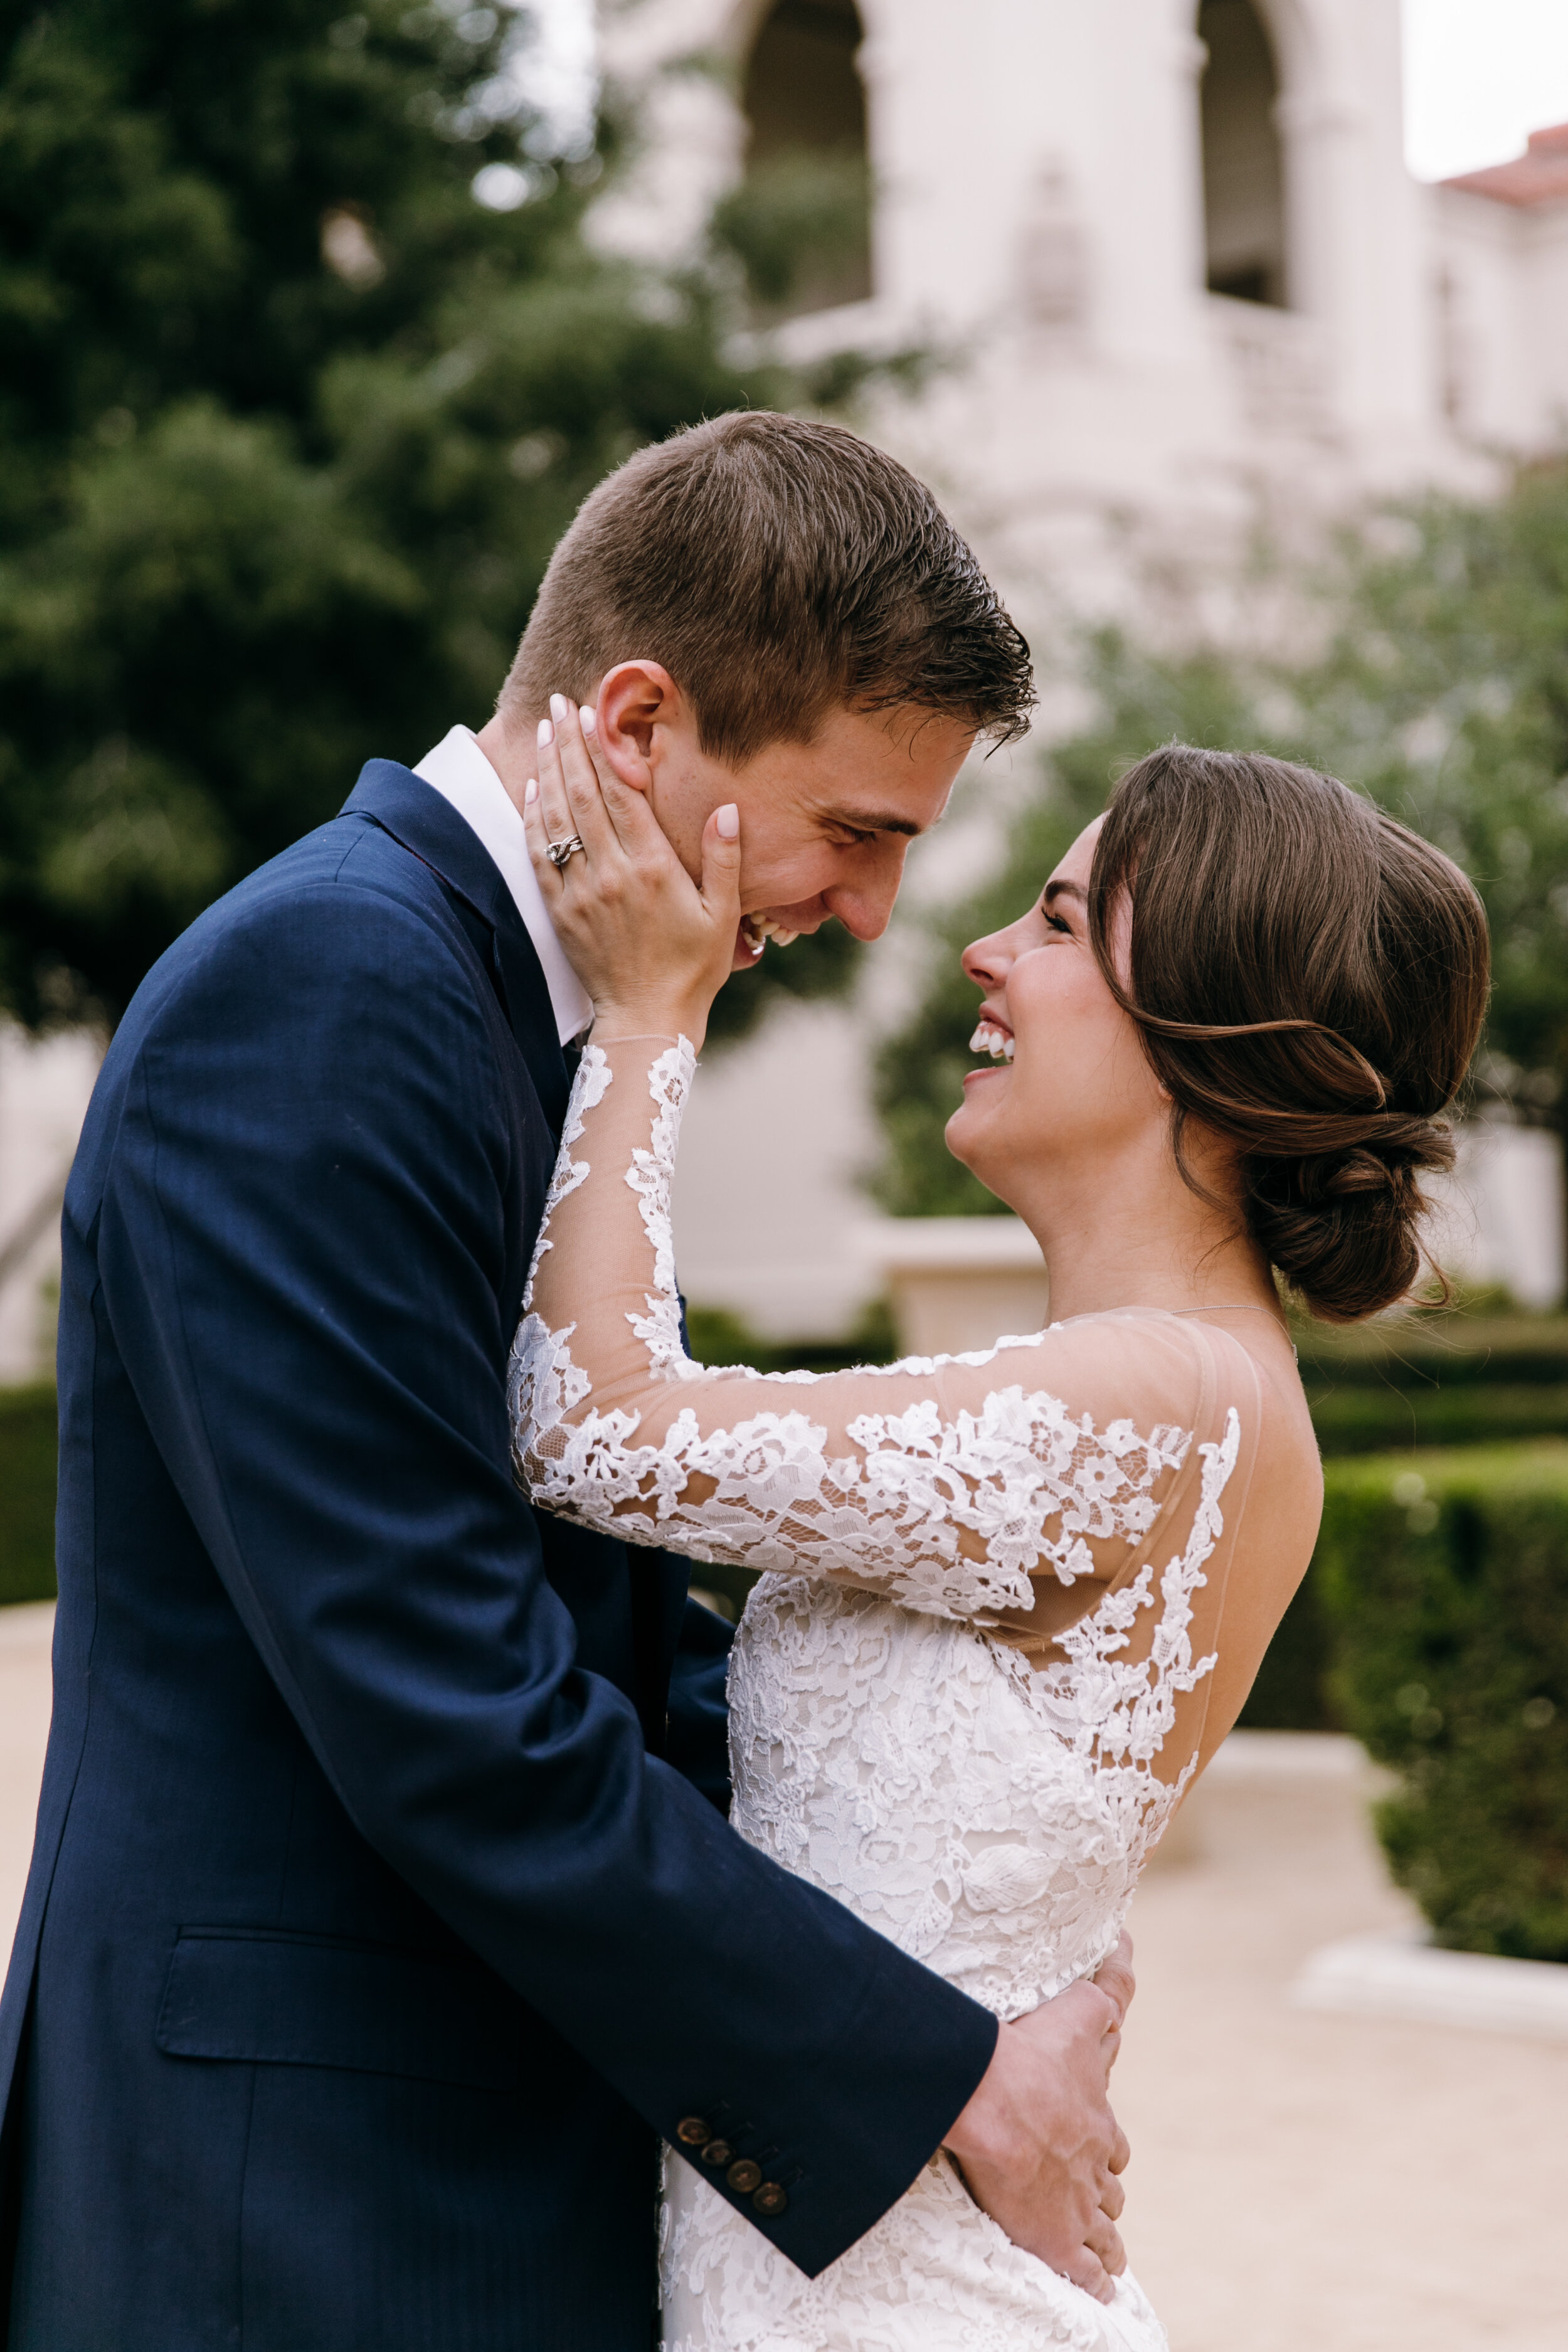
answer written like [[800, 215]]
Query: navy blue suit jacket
[[369, 1944]]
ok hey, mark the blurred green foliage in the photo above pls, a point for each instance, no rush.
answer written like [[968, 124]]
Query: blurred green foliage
[[718, 1337], [289, 424], [798, 226], [1441, 689], [28, 1483], [1445, 1580]]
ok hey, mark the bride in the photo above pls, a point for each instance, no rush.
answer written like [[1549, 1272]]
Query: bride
[[1013, 1602]]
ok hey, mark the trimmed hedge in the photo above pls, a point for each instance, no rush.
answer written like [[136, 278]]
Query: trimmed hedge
[[1460, 1347], [1382, 1420], [1443, 1577], [1447, 1378], [27, 1449]]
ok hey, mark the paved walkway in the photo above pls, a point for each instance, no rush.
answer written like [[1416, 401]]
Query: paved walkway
[[1301, 2182], [24, 1727], [1304, 2182]]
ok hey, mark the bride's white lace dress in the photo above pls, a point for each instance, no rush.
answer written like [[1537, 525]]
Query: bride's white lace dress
[[902, 1733]]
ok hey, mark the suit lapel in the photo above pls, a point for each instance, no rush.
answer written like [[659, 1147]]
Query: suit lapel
[[431, 829]]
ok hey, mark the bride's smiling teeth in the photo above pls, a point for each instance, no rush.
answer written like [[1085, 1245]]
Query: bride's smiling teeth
[[989, 1039], [758, 929]]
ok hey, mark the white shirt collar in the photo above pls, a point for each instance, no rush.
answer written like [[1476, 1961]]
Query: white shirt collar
[[460, 772]]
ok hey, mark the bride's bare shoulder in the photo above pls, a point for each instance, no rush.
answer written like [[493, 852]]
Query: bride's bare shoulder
[[1144, 1365]]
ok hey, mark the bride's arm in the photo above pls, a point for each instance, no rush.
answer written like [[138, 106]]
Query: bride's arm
[[948, 1485]]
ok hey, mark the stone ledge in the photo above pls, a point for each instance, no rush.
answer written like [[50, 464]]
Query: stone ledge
[[27, 1626], [1289, 1756], [1401, 1978]]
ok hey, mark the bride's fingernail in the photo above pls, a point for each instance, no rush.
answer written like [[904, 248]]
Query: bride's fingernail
[[546, 733], [530, 792], [588, 717], [728, 822], [558, 708]]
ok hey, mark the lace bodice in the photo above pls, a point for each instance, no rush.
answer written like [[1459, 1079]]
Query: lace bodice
[[965, 1695], [1093, 1454]]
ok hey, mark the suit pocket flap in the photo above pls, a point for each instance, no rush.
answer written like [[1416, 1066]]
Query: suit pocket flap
[[305, 2000]]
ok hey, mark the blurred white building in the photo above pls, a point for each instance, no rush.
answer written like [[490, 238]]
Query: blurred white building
[[1171, 252], [1185, 292], [44, 1088]]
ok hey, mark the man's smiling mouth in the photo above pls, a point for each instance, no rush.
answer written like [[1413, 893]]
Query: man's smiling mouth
[[758, 929]]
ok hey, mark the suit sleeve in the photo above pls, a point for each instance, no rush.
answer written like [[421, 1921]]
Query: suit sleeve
[[302, 1246]]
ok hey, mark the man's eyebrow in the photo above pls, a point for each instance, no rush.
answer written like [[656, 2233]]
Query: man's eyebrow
[[874, 821], [1055, 889]]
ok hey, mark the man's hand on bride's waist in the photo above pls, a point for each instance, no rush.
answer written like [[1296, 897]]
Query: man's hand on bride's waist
[[1037, 2144], [651, 947]]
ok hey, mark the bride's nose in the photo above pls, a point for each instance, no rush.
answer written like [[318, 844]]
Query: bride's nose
[[988, 960]]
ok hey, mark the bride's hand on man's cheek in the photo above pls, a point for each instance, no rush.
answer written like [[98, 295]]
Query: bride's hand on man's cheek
[[651, 947]]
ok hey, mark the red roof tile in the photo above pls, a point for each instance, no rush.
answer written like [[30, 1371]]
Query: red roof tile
[[1539, 176]]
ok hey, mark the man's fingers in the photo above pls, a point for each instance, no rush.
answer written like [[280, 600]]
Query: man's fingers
[[1113, 2199], [1103, 2240], [1115, 1980], [1121, 2154], [1087, 2271], [1084, 2002]]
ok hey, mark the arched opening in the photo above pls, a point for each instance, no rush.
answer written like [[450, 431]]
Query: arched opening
[[1244, 179], [800, 221]]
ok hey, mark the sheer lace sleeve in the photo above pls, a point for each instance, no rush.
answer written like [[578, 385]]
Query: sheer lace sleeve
[[951, 1484]]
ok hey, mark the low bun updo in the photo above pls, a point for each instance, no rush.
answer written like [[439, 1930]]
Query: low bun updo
[[1309, 979]]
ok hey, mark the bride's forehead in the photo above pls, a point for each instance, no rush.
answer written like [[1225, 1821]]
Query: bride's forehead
[[1075, 866]]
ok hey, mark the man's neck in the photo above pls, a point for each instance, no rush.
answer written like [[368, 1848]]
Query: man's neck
[[509, 748]]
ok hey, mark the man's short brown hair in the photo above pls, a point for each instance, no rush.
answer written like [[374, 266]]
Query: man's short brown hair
[[779, 570]]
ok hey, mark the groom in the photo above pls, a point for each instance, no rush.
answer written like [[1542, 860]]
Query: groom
[[381, 1919]]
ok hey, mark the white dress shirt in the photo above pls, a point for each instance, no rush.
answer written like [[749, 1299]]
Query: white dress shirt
[[460, 772]]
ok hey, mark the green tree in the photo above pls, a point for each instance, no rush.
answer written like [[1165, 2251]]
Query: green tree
[[1441, 690], [288, 425]]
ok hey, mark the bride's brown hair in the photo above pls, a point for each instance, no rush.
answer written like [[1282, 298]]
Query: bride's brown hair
[[1309, 979]]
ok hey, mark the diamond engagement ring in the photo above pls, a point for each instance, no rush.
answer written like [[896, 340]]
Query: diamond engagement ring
[[558, 852]]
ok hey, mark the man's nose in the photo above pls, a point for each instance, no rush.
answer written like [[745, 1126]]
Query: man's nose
[[864, 905]]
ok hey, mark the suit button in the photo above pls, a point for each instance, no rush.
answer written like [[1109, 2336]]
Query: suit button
[[771, 2199], [692, 2131], [745, 2176], [718, 2153]]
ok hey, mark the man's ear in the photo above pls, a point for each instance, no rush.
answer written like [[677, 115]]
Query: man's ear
[[637, 699]]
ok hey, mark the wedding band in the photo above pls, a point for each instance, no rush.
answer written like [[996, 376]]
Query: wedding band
[[558, 852]]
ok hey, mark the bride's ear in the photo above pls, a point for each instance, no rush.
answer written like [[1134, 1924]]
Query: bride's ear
[[635, 700]]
